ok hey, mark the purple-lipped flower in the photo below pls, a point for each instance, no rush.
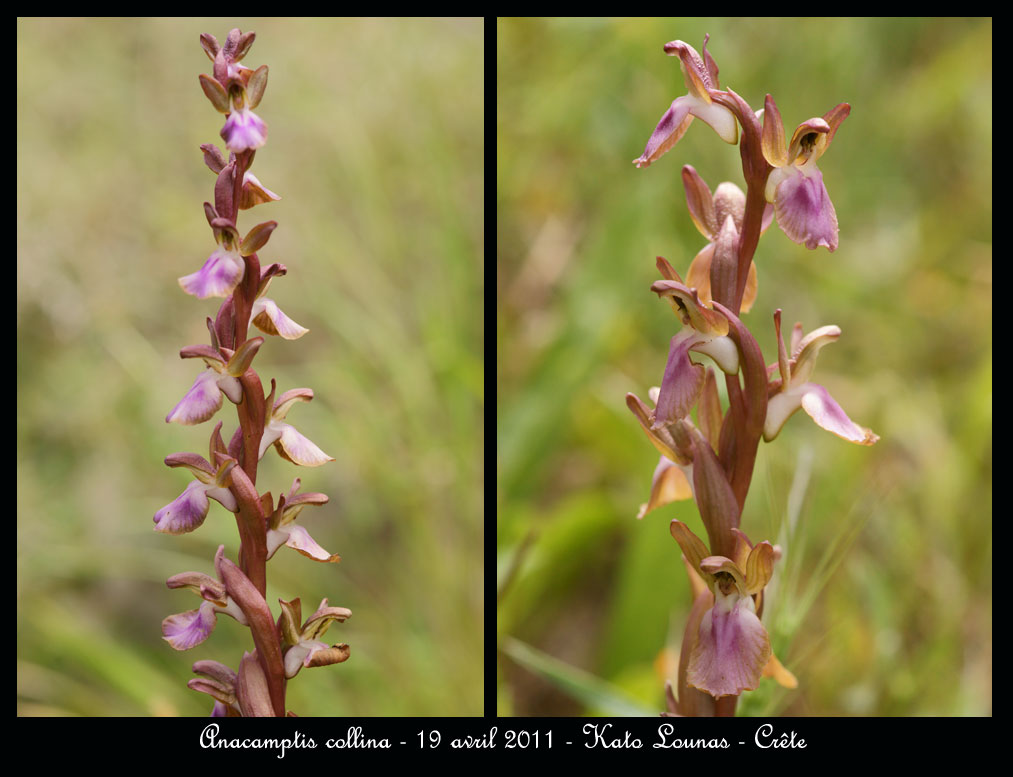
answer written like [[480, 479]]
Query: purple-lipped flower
[[704, 331], [225, 268], [731, 649], [218, 276], [244, 131], [225, 367], [188, 510], [701, 75], [790, 389], [795, 185], [186, 630]]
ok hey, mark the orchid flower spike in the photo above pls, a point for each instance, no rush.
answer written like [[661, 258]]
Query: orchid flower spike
[[701, 75]]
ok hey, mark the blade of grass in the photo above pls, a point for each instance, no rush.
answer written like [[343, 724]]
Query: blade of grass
[[583, 686]]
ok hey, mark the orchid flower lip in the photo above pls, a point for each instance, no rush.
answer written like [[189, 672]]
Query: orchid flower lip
[[244, 131], [218, 276]]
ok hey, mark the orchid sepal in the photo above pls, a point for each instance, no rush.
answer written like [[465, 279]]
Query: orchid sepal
[[671, 482], [661, 436]]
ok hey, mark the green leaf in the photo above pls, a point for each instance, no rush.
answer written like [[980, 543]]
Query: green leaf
[[585, 687]]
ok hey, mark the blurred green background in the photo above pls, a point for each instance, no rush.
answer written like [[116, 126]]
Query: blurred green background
[[376, 148], [882, 604]]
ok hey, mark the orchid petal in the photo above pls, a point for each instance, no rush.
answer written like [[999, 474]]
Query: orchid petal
[[298, 656], [822, 408], [186, 630], [186, 512], [759, 567], [673, 125], [298, 449], [682, 382], [231, 387], [780, 673], [700, 202], [254, 192], [272, 433], [687, 305], [201, 402], [720, 119], [269, 318], [780, 408], [808, 348], [243, 131], [808, 142], [299, 539], [772, 139], [335, 654], [715, 565], [722, 350], [225, 498], [732, 648], [218, 277], [802, 206], [287, 400], [660, 438], [318, 623], [204, 586]]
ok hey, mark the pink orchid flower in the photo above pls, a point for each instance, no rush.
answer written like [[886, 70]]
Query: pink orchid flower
[[795, 186], [701, 74]]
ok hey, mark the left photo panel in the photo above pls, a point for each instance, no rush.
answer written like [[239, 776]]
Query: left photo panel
[[250, 367]]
